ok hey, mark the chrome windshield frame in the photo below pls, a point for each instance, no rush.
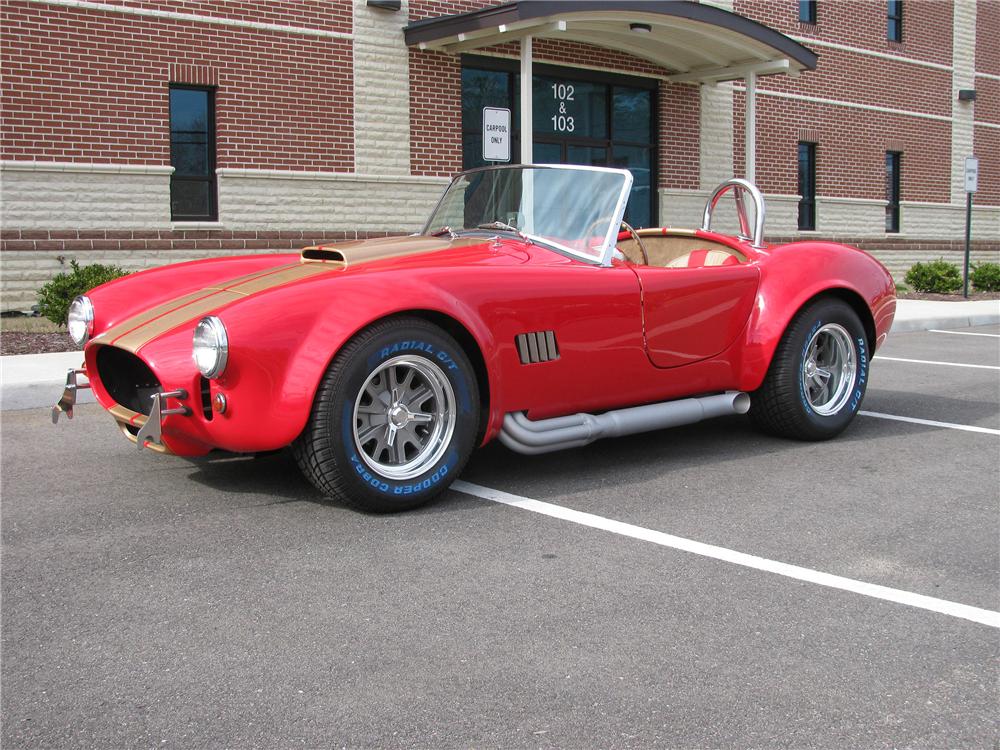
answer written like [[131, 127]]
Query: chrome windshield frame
[[610, 239]]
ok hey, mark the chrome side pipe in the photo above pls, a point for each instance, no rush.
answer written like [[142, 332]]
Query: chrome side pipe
[[529, 437]]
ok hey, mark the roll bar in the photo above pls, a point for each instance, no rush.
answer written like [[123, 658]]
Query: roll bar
[[740, 187]]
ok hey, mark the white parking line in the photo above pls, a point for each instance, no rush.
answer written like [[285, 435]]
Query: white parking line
[[941, 606], [932, 362], [965, 333], [931, 422]]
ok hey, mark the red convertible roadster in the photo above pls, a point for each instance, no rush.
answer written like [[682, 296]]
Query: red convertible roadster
[[525, 311]]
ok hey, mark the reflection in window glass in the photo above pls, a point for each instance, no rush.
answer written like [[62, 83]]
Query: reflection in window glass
[[892, 191], [636, 159], [547, 153], [192, 154], [807, 186], [632, 115]]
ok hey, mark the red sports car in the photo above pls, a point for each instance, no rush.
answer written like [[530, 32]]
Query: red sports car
[[525, 311]]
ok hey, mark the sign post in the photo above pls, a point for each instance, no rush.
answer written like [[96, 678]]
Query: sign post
[[496, 134], [971, 185]]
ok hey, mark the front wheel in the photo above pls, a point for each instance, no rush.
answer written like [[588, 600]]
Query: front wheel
[[394, 420], [818, 377]]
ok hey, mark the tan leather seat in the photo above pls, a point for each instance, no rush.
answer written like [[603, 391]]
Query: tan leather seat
[[671, 251]]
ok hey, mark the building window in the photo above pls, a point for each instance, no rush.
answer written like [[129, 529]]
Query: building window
[[597, 119], [895, 20], [807, 11], [192, 154], [807, 186], [892, 166]]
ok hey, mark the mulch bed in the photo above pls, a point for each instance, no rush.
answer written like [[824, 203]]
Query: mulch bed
[[16, 342]]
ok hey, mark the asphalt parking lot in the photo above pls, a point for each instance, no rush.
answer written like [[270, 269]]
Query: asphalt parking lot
[[150, 601]]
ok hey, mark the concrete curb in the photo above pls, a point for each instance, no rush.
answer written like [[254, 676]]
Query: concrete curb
[[30, 381], [923, 315]]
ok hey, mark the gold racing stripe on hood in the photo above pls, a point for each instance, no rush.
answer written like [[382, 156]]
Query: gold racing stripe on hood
[[134, 333], [136, 321], [138, 331]]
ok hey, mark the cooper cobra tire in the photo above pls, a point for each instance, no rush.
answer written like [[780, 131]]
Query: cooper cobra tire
[[394, 419], [818, 376]]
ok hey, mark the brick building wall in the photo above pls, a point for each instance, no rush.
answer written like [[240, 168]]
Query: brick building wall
[[80, 85]]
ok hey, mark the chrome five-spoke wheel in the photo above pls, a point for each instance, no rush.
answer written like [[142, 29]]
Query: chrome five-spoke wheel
[[818, 374], [829, 369], [394, 419], [404, 416]]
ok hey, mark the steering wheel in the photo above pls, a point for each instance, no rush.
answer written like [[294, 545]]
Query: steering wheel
[[638, 241]]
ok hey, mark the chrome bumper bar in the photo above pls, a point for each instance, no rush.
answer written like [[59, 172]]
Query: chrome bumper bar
[[150, 432], [68, 401]]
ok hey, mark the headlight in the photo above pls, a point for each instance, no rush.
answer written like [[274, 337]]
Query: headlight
[[80, 320], [211, 347]]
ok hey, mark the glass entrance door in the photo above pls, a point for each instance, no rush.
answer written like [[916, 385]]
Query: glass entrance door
[[605, 122]]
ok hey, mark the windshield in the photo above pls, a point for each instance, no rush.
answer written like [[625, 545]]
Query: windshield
[[574, 209]]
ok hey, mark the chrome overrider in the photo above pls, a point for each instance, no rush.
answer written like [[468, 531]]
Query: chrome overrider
[[150, 432], [532, 437], [68, 400]]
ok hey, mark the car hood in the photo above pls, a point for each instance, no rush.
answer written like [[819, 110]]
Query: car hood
[[146, 324]]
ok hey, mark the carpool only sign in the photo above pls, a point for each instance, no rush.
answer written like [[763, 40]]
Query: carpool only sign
[[496, 134]]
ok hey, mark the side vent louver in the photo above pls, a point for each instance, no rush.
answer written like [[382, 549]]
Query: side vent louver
[[539, 346]]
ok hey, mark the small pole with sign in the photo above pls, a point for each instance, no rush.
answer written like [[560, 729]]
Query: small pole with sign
[[971, 185], [496, 134]]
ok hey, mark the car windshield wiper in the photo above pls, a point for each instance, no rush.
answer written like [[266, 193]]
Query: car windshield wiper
[[505, 227], [445, 230]]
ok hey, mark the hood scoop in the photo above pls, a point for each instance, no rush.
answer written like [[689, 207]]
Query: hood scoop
[[353, 252], [323, 254]]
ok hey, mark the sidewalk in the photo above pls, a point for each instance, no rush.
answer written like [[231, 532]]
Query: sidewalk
[[33, 380]]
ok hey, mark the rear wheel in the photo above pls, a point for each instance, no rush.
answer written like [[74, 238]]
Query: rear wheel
[[394, 420], [818, 376]]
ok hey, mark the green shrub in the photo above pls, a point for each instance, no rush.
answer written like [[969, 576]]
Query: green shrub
[[54, 298], [936, 276], [986, 277]]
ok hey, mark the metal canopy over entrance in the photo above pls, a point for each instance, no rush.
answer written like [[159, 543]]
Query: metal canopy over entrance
[[696, 43]]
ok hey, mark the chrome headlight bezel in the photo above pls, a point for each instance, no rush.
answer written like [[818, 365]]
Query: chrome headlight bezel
[[80, 320], [211, 339]]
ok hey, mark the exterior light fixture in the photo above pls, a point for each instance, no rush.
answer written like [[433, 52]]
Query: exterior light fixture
[[640, 28], [967, 95], [392, 5]]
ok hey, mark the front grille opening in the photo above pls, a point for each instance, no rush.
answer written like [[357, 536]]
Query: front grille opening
[[127, 379], [206, 399]]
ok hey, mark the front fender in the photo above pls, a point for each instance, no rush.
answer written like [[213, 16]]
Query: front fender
[[277, 362]]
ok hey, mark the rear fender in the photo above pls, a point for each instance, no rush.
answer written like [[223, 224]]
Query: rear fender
[[789, 281]]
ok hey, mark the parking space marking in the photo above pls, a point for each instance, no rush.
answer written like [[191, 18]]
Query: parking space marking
[[965, 333], [941, 606], [932, 362], [930, 422]]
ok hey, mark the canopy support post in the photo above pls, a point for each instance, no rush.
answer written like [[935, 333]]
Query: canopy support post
[[527, 146]]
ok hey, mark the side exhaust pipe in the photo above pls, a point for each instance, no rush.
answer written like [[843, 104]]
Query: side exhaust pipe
[[523, 435]]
